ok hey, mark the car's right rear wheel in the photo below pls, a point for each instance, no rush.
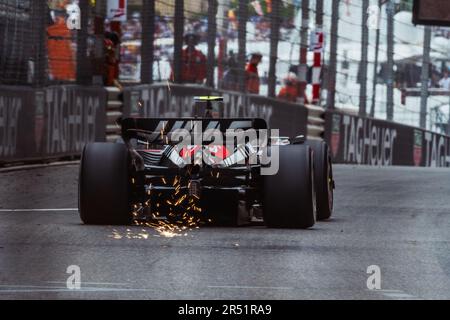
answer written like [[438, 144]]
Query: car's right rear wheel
[[289, 195], [323, 178]]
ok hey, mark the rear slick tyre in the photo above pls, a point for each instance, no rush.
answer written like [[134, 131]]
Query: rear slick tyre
[[289, 196], [323, 178], [104, 185]]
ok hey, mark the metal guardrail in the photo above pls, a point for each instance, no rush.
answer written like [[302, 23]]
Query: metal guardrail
[[159, 100], [114, 110], [49, 123], [316, 122], [53, 123], [354, 139]]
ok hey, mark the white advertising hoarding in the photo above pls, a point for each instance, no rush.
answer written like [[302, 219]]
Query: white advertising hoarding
[[117, 10]]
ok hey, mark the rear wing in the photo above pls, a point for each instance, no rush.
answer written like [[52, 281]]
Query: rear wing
[[156, 130], [208, 99]]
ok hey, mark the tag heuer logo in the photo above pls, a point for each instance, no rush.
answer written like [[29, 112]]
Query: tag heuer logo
[[417, 151], [335, 134]]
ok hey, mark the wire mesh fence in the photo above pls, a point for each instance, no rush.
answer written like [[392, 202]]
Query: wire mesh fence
[[17, 38], [62, 45], [39, 48], [408, 51], [321, 51]]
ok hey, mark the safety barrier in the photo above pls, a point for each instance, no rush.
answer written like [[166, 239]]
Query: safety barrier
[[177, 101], [50, 123], [316, 122], [56, 122], [360, 140], [114, 111]]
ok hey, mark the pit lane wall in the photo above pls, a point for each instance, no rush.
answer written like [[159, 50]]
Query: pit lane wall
[[47, 123], [177, 101], [360, 140]]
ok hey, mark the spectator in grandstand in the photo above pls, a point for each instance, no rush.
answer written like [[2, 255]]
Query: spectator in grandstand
[[290, 91], [111, 51], [231, 75], [251, 73], [193, 68], [445, 81], [61, 56], [435, 76]]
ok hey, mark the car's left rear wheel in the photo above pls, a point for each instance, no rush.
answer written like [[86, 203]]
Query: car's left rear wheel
[[104, 185]]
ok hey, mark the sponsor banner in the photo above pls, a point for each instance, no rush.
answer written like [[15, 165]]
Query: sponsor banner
[[16, 122], [316, 41], [72, 116], [291, 119], [417, 149], [50, 122], [360, 140], [161, 101], [117, 10], [435, 150]]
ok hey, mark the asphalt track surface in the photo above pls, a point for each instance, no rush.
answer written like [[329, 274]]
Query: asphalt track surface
[[395, 218]]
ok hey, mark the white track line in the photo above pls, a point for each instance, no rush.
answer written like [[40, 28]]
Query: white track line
[[73, 291], [395, 294], [35, 289], [38, 166], [400, 295], [250, 287], [39, 210], [93, 283]]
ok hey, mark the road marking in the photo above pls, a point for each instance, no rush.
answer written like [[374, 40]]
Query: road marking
[[39, 210], [38, 166], [92, 283], [395, 294], [250, 287], [399, 295], [69, 290], [27, 286], [35, 289]]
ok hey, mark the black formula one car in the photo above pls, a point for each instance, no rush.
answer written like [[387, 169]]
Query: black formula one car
[[282, 182]]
